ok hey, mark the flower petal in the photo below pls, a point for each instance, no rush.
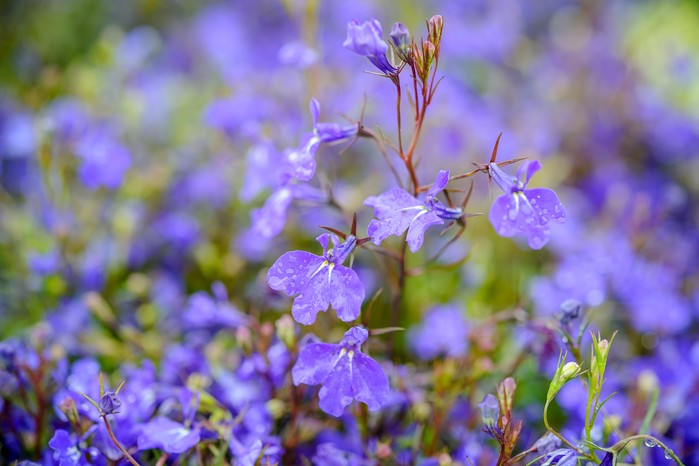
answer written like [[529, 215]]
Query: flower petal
[[292, 270]]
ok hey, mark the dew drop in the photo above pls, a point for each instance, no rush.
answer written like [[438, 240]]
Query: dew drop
[[533, 202], [289, 271], [512, 214], [667, 455], [564, 340], [650, 443], [545, 211], [556, 209]]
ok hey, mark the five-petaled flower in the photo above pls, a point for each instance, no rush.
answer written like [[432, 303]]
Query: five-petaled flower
[[345, 373], [319, 281], [302, 161], [396, 211], [365, 39], [524, 211]]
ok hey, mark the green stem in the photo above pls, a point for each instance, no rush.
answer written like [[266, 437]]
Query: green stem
[[621, 444]]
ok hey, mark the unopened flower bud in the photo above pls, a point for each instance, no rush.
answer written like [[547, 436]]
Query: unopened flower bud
[[647, 382], [110, 403], [383, 451], [444, 460], [570, 370], [490, 410], [400, 35], [435, 25], [286, 330]]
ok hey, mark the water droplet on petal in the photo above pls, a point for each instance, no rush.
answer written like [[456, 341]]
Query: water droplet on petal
[[533, 202], [545, 211], [512, 214], [564, 340]]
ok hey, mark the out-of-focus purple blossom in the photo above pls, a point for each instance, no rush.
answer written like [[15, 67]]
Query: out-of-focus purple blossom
[[265, 169], [269, 220], [344, 372], [327, 454], [104, 159], [179, 229], [65, 449], [205, 311], [522, 211], [365, 39], [297, 54], [319, 281], [167, 435], [45, 264], [443, 331], [396, 211], [490, 410], [257, 451], [561, 457], [547, 444], [301, 161]]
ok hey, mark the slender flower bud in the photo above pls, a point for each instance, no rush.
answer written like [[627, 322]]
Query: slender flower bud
[[400, 36], [570, 310], [564, 373], [435, 25]]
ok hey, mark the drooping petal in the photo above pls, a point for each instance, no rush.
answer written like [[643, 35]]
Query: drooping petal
[[315, 362], [369, 382], [347, 293], [301, 162], [503, 215], [439, 183], [390, 201], [339, 287], [167, 435], [292, 270], [314, 298], [269, 219], [546, 204], [337, 391], [418, 225]]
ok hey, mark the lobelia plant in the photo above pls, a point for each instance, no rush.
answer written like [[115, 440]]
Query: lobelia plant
[[121, 245]]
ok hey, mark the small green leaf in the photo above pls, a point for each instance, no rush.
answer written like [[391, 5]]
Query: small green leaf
[[94, 403], [120, 386], [101, 385]]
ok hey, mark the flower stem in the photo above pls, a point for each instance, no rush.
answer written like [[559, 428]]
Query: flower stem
[[116, 442]]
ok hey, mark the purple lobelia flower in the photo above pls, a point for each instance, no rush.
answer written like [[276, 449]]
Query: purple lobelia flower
[[344, 372], [396, 211], [319, 281], [365, 39], [524, 211], [442, 331], [65, 449], [561, 457], [301, 162], [167, 435]]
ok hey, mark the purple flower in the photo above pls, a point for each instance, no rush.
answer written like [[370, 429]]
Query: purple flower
[[524, 211], [302, 163], [104, 159], [443, 331], [110, 403], [268, 221], [319, 281], [203, 311], [365, 40], [65, 449], [168, 435], [490, 410], [561, 457], [397, 211], [344, 372], [400, 35]]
